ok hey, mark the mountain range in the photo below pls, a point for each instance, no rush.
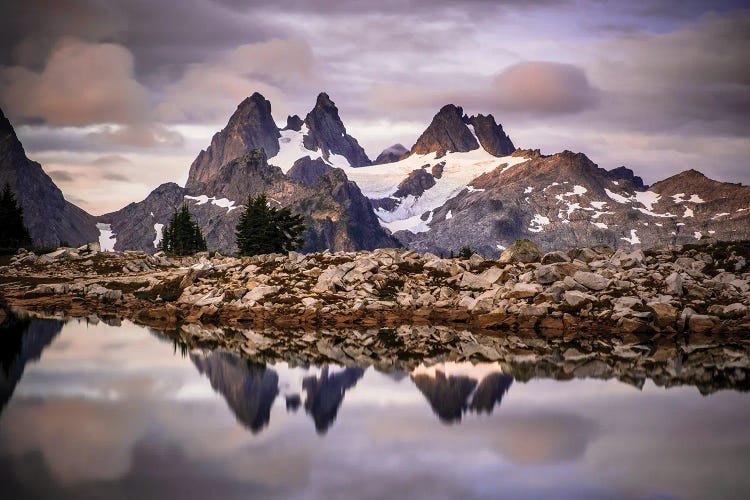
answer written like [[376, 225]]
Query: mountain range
[[463, 182]]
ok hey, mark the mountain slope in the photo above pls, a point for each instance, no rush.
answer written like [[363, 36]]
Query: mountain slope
[[337, 214], [50, 218]]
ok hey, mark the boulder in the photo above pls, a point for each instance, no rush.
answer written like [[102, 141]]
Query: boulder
[[525, 290], [592, 281], [664, 314], [575, 298], [555, 257], [674, 284], [547, 274], [523, 251], [260, 292]]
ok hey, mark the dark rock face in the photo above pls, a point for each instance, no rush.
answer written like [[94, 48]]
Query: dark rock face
[[293, 122], [491, 135], [248, 389], [306, 170], [447, 132], [337, 215], [391, 154], [49, 217], [416, 183], [625, 174], [134, 223], [250, 127], [327, 133]]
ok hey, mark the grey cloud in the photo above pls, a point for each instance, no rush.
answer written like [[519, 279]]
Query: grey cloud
[[114, 176], [107, 160]]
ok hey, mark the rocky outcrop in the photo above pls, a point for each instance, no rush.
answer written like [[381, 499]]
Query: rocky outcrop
[[416, 183], [307, 171], [50, 218], [326, 132], [293, 122], [391, 154], [250, 127], [491, 135], [448, 131], [326, 392], [625, 174]]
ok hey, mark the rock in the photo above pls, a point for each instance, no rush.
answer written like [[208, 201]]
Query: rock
[[701, 323], [575, 298], [523, 251], [664, 314], [674, 284], [555, 257], [310, 301], [473, 281], [735, 310], [547, 274], [260, 292], [592, 281], [525, 290]]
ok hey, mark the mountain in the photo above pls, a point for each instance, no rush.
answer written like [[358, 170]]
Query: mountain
[[391, 154], [337, 215], [236, 165], [49, 217], [462, 183]]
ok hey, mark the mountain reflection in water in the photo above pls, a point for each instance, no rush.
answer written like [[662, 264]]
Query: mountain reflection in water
[[98, 411]]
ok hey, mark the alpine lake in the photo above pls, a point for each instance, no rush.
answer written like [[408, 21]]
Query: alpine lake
[[96, 410]]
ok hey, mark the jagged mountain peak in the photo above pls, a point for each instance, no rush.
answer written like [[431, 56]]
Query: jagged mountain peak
[[326, 133], [251, 126], [448, 132], [491, 135]]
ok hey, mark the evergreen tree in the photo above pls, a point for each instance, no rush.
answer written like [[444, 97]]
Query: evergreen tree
[[13, 232], [183, 236], [465, 252], [263, 229]]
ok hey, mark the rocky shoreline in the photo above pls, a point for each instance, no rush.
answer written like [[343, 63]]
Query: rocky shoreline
[[701, 289]]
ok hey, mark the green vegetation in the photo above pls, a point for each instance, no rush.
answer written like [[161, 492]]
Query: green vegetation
[[13, 232], [263, 229], [183, 236]]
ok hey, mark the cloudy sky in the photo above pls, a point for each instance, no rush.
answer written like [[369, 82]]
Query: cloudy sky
[[114, 97]]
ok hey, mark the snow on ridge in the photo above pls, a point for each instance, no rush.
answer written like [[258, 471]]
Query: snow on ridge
[[645, 198], [107, 238], [159, 228], [722, 214], [219, 202], [528, 190], [617, 197], [688, 212], [459, 170], [696, 199], [600, 225], [449, 215]]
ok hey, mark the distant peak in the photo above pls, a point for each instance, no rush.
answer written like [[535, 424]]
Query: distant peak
[[293, 122]]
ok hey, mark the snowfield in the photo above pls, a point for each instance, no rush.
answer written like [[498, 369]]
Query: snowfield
[[382, 181]]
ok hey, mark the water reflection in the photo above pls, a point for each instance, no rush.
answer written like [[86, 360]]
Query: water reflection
[[21, 341], [112, 412]]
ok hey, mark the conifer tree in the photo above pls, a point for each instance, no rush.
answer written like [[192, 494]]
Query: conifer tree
[[13, 232], [183, 236], [263, 229]]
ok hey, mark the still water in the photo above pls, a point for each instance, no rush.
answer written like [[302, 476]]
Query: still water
[[102, 411]]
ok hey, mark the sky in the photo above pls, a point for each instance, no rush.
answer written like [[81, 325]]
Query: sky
[[114, 97]]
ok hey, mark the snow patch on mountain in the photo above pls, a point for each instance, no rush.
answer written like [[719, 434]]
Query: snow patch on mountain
[[537, 223], [107, 238], [159, 229], [219, 202], [633, 237]]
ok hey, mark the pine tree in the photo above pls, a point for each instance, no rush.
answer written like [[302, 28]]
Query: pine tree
[[13, 232], [263, 229], [183, 236]]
